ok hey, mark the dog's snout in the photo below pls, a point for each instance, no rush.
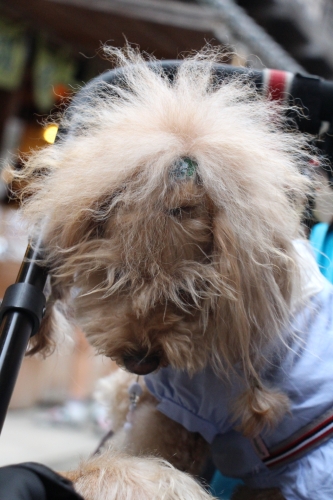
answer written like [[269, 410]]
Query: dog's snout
[[141, 363]]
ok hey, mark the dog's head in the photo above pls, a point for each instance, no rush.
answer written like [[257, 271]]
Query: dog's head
[[170, 219]]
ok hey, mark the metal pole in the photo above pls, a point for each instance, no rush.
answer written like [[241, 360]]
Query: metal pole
[[21, 312]]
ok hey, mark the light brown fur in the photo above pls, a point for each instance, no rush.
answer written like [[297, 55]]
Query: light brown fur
[[195, 271], [187, 451], [117, 476]]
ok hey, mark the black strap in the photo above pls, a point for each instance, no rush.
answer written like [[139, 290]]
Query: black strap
[[307, 91]]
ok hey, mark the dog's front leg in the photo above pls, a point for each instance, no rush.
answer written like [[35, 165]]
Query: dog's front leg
[[136, 461], [116, 476], [152, 433], [132, 467]]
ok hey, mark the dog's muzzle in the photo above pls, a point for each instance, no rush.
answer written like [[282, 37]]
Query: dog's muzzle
[[141, 363]]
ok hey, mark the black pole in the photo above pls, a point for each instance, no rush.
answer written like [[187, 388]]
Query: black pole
[[21, 312]]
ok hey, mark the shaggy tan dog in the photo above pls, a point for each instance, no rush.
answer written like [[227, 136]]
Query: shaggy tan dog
[[168, 214]]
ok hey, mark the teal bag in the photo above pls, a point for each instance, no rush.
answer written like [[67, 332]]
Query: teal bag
[[321, 238], [223, 487]]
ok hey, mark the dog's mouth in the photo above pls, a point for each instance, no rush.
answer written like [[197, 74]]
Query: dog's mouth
[[141, 364]]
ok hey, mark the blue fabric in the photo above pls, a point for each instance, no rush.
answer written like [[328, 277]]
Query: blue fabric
[[322, 241], [201, 404], [309, 478]]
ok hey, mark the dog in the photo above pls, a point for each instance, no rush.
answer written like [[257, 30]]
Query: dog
[[171, 216]]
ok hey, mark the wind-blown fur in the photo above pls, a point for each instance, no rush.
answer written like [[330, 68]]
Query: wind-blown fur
[[194, 271]]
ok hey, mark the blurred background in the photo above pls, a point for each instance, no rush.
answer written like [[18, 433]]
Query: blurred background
[[48, 49]]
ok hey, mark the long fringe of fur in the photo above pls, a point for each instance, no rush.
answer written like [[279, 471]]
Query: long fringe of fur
[[259, 407]]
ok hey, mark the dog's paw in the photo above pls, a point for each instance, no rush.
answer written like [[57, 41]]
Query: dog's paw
[[116, 476]]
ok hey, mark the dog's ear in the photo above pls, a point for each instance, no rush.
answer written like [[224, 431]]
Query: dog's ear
[[54, 320], [251, 310], [233, 339]]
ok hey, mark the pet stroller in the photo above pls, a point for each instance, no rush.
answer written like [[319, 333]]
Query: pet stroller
[[24, 302]]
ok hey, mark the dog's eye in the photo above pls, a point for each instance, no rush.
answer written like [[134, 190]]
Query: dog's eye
[[186, 298], [180, 212], [117, 276]]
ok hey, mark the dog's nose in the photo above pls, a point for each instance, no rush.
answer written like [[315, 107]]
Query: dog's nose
[[141, 364]]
